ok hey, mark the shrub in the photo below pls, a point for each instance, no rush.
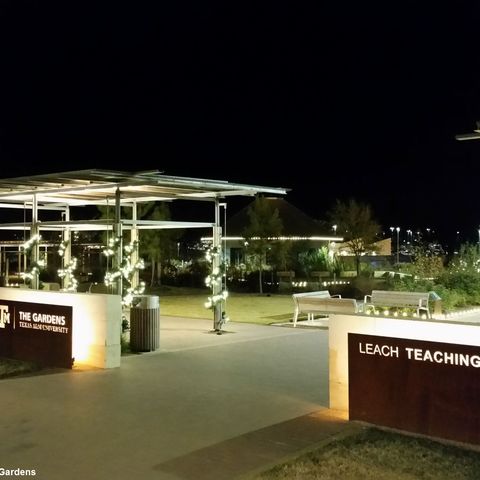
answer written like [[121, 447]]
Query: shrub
[[410, 284], [466, 284], [451, 298], [362, 285]]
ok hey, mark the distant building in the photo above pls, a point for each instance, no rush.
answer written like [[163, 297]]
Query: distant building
[[297, 226]]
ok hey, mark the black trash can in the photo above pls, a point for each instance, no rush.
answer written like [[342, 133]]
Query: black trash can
[[145, 323]]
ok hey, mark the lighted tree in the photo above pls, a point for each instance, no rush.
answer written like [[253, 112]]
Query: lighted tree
[[261, 235], [356, 224]]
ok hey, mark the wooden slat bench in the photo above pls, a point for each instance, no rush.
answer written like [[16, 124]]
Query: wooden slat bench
[[321, 302], [319, 275], [286, 276], [388, 298]]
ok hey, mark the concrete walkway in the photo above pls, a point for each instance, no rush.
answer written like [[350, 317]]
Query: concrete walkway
[[203, 406]]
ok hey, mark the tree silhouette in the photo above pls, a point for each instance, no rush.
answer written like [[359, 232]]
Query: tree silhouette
[[355, 223], [262, 233], [156, 245]]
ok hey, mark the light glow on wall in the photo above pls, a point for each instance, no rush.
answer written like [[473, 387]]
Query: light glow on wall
[[96, 322], [83, 337]]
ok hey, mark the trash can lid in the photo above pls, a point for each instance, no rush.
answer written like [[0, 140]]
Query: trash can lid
[[146, 301], [434, 296]]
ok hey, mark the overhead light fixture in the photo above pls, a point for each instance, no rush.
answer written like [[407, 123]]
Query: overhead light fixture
[[470, 136]]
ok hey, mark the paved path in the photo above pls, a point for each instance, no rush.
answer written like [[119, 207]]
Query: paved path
[[224, 405]]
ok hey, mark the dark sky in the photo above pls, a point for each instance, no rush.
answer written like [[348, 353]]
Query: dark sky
[[331, 99]]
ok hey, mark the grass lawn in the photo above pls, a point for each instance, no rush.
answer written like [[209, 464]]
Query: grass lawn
[[374, 454], [240, 307]]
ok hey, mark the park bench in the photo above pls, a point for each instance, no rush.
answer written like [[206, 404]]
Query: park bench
[[319, 276], [387, 298], [286, 276], [323, 303]]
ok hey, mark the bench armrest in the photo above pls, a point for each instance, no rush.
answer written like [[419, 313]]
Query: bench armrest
[[367, 299], [423, 303], [336, 296]]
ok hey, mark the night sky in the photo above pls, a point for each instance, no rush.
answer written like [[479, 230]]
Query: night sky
[[333, 100]]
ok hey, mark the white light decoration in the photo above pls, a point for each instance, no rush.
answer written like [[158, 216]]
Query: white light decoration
[[31, 242], [111, 248], [69, 270], [214, 279], [335, 282], [62, 247], [393, 312], [126, 270], [35, 267]]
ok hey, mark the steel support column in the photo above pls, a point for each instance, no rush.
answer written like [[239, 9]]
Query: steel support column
[[117, 232], [216, 264], [35, 253]]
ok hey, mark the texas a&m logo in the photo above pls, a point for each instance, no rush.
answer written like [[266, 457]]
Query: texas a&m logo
[[4, 316]]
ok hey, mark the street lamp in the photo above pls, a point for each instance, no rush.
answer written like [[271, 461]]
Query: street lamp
[[391, 229], [334, 228], [398, 245], [398, 241]]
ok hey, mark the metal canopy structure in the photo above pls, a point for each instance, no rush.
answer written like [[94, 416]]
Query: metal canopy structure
[[60, 191], [57, 191], [93, 187]]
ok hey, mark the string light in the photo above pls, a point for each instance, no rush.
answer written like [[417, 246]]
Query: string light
[[111, 248], [62, 247], [125, 270], [31, 242], [214, 279], [35, 267], [68, 271]]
